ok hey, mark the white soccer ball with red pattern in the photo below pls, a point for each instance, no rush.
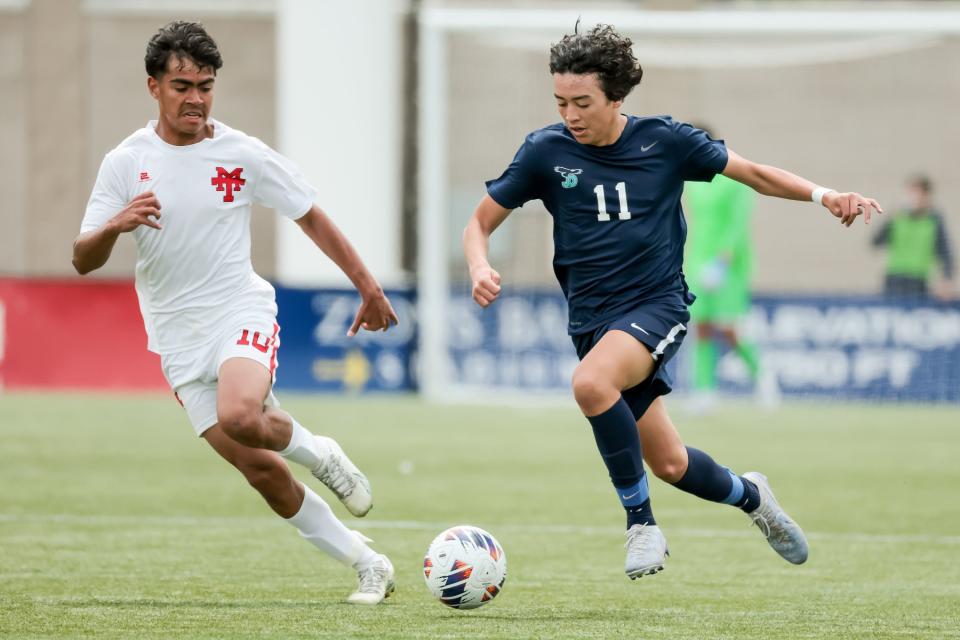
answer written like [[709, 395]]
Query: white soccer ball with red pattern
[[465, 567]]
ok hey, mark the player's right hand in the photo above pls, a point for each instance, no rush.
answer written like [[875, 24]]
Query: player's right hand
[[847, 206], [142, 210], [486, 286], [375, 314]]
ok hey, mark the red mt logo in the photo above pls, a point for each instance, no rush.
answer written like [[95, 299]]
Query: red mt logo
[[228, 181]]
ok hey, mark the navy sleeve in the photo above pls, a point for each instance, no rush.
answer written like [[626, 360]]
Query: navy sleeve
[[700, 157], [518, 184], [943, 248], [882, 236]]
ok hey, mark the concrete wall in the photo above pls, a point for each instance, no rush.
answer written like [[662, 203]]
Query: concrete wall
[[74, 87], [13, 132]]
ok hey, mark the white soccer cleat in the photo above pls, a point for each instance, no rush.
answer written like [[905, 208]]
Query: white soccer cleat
[[375, 582], [341, 476], [646, 550], [784, 535]]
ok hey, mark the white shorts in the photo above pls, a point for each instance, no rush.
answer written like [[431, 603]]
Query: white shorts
[[193, 374]]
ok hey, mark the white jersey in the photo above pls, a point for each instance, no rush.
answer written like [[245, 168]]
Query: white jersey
[[196, 271]]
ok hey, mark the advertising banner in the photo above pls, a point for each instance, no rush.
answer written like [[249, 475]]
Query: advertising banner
[[847, 348], [870, 349], [88, 334], [317, 355], [519, 343], [72, 334]]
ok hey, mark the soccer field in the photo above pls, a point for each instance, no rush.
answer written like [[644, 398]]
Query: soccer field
[[115, 521]]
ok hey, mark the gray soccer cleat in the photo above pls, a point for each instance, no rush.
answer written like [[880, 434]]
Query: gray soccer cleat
[[375, 582], [341, 476], [646, 550], [784, 535]]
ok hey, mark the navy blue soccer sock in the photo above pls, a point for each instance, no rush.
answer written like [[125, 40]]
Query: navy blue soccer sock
[[619, 443], [706, 479]]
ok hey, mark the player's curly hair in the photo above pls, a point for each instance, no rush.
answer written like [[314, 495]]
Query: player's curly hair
[[602, 51], [185, 40]]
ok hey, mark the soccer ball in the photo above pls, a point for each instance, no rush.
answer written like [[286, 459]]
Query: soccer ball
[[465, 567]]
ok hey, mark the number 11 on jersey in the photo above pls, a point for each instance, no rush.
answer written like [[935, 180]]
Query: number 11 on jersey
[[602, 214]]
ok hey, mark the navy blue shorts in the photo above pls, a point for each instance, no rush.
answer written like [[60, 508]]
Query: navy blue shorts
[[661, 327]]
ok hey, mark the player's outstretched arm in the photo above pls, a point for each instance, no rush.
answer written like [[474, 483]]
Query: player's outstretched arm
[[476, 242], [92, 249], [375, 312], [771, 181]]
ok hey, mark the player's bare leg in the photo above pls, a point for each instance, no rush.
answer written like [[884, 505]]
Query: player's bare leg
[[709, 334], [242, 388], [695, 472], [663, 449], [703, 396], [767, 387], [270, 476], [264, 470], [747, 352], [618, 361]]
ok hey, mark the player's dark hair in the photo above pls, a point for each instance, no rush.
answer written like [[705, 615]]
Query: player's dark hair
[[922, 182], [188, 41], [602, 51]]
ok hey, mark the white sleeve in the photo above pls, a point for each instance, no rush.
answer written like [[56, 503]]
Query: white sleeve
[[282, 187], [107, 198]]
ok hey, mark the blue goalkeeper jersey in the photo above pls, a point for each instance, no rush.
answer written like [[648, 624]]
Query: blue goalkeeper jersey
[[618, 227]]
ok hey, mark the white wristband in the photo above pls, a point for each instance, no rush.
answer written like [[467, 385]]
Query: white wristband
[[818, 194]]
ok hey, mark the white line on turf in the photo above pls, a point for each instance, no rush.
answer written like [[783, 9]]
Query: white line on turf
[[417, 525]]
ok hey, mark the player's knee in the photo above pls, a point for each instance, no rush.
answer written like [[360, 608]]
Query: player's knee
[[590, 392], [669, 468], [242, 421]]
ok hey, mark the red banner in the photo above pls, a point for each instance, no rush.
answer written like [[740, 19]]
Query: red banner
[[74, 334]]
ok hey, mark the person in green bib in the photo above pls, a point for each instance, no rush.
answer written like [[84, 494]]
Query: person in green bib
[[916, 239], [718, 264]]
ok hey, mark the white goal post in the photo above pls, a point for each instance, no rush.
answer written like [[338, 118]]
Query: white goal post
[[873, 28]]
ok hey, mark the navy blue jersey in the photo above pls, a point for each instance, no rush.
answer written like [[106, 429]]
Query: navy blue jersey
[[618, 227]]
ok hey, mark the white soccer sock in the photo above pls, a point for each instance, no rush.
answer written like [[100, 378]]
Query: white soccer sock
[[302, 448], [316, 522]]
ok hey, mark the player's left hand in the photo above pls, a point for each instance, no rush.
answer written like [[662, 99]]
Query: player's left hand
[[375, 314], [847, 206]]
